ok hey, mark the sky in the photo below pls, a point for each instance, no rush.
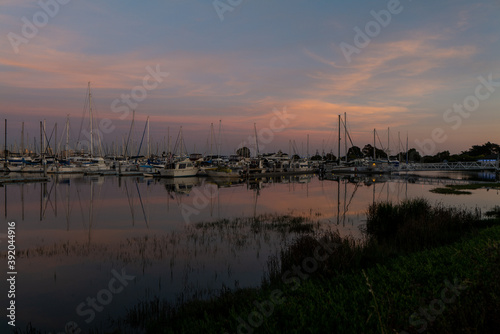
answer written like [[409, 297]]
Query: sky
[[285, 70]]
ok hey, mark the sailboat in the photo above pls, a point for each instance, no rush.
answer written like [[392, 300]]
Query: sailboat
[[91, 164], [179, 168]]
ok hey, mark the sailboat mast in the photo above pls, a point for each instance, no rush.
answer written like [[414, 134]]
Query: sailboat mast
[[181, 144], [374, 146], [388, 145], [148, 139], [67, 137], [399, 146], [307, 146], [256, 139], [345, 135], [44, 138], [168, 139], [5, 145], [91, 125], [339, 141], [407, 147], [22, 139], [219, 144], [211, 138]]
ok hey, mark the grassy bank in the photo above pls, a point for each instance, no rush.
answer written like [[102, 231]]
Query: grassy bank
[[461, 189], [421, 267]]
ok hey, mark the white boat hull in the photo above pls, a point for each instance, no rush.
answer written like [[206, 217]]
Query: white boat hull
[[179, 172]]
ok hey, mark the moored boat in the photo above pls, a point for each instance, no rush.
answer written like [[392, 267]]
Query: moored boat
[[184, 168]]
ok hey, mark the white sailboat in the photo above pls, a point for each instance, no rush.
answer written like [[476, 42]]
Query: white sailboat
[[179, 168]]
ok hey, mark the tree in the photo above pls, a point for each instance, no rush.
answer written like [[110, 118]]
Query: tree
[[368, 152], [482, 150], [413, 155], [243, 152], [354, 153], [330, 157]]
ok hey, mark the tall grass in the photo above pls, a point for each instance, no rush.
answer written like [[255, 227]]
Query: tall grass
[[391, 230], [415, 224], [363, 286]]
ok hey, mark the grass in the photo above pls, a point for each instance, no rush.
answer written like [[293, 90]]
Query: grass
[[458, 189], [380, 299], [495, 212], [385, 283], [369, 286], [448, 191], [266, 222]]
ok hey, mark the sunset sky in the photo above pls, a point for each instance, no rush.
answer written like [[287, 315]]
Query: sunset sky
[[237, 61]]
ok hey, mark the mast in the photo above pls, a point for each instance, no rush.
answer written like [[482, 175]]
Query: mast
[[91, 125], [406, 147], [211, 139], [219, 145], [5, 145], [41, 139], [44, 138], [307, 146], [148, 139], [388, 145], [339, 142], [374, 146], [67, 137], [345, 135], [168, 138], [22, 139], [129, 133], [181, 144], [256, 139], [399, 146], [55, 140]]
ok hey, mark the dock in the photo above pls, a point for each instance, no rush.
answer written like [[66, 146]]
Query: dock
[[5, 180]]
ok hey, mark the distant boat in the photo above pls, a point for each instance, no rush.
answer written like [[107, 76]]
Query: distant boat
[[300, 166], [183, 168]]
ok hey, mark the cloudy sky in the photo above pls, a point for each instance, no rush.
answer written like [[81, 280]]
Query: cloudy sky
[[402, 65]]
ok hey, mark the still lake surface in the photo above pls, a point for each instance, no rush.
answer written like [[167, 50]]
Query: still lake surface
[[89, 248]]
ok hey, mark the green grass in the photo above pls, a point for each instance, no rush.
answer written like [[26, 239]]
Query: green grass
[[379, 299], [458, 189], [373, 286], [262, 223], [323, 282], [448, 191], [472, 186], [495, 212]]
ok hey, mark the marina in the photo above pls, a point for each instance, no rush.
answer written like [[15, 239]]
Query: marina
[[245, 167]]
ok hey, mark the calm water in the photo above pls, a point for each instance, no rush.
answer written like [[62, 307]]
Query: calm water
[[91, 247]]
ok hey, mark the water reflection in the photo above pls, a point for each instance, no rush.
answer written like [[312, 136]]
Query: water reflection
[[72, 231]]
